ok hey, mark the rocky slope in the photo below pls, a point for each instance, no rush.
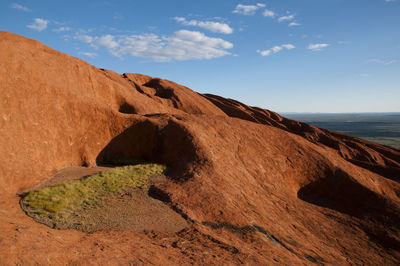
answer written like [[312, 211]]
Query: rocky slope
[[257, 188]]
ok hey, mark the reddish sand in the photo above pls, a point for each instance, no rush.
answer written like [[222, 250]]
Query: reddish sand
[[259, 188]]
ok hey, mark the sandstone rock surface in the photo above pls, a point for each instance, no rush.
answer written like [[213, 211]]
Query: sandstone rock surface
[[257, 188]]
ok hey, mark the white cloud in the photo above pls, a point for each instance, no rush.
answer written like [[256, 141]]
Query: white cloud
[[88, 54], [317, 46], [209, 25], [38, 24], [180, 19], [387, 1], [182, 45], [247, 9], [264, 52], [20, 7], [84, 38], [286, 18], [382, 62], [292, 24], [269, 13], [390, 62], [276, 49], [288, 46], [107, 41], [60, 29]]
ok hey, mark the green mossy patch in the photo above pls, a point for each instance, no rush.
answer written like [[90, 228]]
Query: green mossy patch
[[57, 202]]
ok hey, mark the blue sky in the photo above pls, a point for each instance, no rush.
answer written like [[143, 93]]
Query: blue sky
[[283, 55]]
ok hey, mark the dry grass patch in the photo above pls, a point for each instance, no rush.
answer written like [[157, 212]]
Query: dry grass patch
[[57, 203]]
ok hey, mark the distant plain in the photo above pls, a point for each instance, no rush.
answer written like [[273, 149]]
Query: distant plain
[[382, 128]]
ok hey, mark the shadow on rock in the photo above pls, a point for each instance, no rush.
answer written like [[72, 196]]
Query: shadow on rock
[[340, 192], [153, 141]]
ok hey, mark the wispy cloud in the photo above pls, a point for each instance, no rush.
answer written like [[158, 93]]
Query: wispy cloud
[[84, 38], [288, 46], [38, 24], [247, 9], [286, 18], [317, 46], [292, 24], [20, 7], [251, 10], [209, 25], [269, 13], [276, 49], [387, 1], [108, 41], [181, 45], [382, 62], [88, 54], [61, 29], [264, 52]]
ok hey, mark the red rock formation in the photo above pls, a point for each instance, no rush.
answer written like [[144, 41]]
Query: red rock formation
[[258, 188]]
